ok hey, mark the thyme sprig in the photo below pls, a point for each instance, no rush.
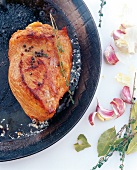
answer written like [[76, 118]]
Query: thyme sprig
[[122, 139], [59, 47], [103, 2], [60, 50]]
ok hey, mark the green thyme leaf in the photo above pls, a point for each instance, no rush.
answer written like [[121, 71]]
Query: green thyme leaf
[[60, 48], [71, 95], [45, 55], [134, 116], [133, 145], [105, 141], [136, 128], [82, 143], [68, 84]]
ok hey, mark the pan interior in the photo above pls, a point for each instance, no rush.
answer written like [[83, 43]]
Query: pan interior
[[16, 15], [86, 50]]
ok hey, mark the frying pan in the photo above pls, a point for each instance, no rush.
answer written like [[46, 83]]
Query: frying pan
[[18, 135]]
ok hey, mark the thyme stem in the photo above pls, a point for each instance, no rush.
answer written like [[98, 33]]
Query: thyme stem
[[60, 51], [103, 2], [55, 28]]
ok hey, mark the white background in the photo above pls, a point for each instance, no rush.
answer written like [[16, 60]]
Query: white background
[[62, 156]]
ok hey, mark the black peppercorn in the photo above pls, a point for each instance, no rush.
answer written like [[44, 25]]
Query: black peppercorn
[[39, 83]]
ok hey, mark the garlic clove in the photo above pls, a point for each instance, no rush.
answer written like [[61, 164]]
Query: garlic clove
[[92, 117], [118, 106], [125, 95], [103, 113], [110, 55], [117, 34]]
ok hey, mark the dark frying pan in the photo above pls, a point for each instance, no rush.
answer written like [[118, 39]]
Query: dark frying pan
[[20, 137]]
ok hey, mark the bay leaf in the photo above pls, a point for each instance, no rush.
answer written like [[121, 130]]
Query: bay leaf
[[82, 143], [106, 139], [132, 147], [134, 116], [118, 141]]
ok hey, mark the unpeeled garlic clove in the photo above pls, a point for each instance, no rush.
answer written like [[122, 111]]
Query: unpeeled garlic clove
[[104, 114], [92, 117], [110, 55], [125, 95], [118, 106]]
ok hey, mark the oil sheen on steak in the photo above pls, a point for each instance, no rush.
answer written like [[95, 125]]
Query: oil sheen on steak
[[35, 77]]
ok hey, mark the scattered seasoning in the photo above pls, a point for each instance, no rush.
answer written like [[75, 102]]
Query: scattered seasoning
[[11, 137], [32, 66], [41, 54], [2, 131], [33, 125], [40, 126], [19, 134], [29, 48], [7, 126], [34, 121], [22, 54], [2, 120], [32, 58], [39, 83]]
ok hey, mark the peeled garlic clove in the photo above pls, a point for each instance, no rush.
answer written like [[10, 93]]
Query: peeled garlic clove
[[118, 106], [100, 117], [124, 79], [110, 55], [92, 117], [125, 95], [117, 34], [104, 114]]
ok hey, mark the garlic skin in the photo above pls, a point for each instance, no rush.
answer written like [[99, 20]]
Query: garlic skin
[[118, 106], [123, 79], [125, 38], [125, 95], [110, 55], [92, 117], [104, 114], [117, 34]]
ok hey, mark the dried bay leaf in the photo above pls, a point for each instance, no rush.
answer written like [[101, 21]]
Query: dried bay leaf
[[118, 141], [105, 141], [133, 145], [82, 143], [134, 116]]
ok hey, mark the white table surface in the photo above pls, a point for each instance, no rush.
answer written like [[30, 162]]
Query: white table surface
[[62, 156]]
